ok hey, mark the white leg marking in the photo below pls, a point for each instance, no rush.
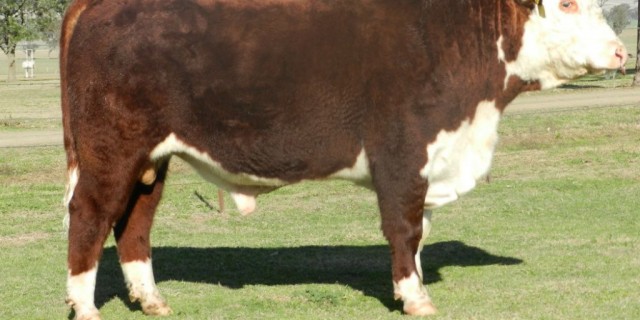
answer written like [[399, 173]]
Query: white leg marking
[[426, 229], [80, 291], [246, 204], [411, 290], [414, 295], [139, 278], [74, 175]]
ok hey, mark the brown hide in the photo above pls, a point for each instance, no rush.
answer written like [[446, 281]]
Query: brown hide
[[286, 89], [282, 89]]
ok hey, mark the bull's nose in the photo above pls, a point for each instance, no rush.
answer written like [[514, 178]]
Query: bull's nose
[[621, 52], [622, 55]]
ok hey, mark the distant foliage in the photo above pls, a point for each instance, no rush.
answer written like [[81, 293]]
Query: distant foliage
[[28, 20], [618, 17]]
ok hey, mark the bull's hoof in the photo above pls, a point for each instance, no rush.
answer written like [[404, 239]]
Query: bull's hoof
[[93, 315], [83, 313], [420, 307], [157, 309]]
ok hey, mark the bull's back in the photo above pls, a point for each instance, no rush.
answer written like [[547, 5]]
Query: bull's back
[[268, 88]]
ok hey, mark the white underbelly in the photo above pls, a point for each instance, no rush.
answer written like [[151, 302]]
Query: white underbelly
[[207, 167], [244, 187]]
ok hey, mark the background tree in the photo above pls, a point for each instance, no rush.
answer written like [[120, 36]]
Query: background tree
[[50, 21], [27, 20], [636, 77], [618, 17], [13, 28]]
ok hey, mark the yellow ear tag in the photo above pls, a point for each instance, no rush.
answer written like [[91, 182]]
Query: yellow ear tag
[[540, 8]]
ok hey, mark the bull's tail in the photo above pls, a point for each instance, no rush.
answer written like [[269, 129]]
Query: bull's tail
[[70, 19]]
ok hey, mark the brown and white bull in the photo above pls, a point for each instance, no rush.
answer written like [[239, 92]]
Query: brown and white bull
[[400, 96]]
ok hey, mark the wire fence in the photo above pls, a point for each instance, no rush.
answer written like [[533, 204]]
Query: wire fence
[[46, 64]]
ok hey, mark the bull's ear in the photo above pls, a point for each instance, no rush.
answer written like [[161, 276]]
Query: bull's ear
[[527, 3], [533, 5]]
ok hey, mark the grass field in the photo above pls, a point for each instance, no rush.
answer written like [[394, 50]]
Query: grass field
[[555, 235], [30, 106]]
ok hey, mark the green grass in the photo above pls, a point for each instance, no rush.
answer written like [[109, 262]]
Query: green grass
[[28, 106], [555, 235]]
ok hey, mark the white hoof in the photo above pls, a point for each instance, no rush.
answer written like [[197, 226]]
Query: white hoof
[[415, 296], [157, 309], [86, 314], [420, 307], [152, 304]]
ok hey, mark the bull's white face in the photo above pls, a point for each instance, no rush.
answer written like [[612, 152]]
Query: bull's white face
[[571, 40]]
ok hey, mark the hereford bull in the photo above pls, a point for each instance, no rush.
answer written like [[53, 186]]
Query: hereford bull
[[400, 96]]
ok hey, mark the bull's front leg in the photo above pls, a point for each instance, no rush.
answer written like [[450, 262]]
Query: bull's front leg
[[404, 224], [426, 229]]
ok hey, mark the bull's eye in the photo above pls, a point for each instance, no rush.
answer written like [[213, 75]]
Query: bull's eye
[[569, 6]]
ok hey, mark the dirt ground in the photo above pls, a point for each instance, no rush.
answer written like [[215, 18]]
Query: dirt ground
[[580, 98], [529, 102]]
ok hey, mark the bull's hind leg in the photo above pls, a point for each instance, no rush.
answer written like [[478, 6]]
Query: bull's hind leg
[[96, 198], [401, 201], [134, 247]]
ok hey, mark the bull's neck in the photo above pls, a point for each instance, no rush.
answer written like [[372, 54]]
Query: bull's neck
[[481, 38]]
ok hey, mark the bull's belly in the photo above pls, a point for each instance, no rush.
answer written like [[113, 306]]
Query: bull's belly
[[244, 187], [457, 159]]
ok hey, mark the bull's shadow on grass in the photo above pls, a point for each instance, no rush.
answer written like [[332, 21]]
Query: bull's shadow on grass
[[580, 86], [363, 268]]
